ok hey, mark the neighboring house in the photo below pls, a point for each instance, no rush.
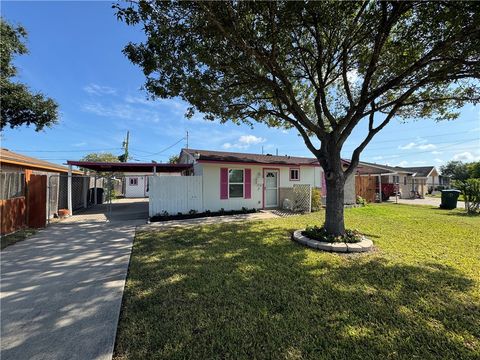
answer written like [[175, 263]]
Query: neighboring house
[[137, 184], [235, 180], [26, 185], [411, 181]]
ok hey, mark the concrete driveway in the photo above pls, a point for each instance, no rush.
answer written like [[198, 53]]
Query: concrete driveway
[[61, 290], [429, 201]]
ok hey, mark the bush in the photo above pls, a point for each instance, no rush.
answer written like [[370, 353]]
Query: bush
[[320, 234], [316, 200], [470, 189], [361, 201]]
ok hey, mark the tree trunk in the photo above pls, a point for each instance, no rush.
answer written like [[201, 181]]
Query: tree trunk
[[334, 215], [335, 181]]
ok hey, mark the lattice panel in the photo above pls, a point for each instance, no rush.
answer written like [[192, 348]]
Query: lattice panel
[[302, 194]]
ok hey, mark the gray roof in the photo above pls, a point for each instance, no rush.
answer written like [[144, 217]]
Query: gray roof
[[419, 171], [225, 156], [415, 171]]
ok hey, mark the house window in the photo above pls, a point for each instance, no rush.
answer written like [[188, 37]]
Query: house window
[[133, 181], [396, 179], [404, 180], [294, 174], [235, 183]]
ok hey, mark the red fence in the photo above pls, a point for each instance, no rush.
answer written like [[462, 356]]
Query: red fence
[[23, 202], [13, 213]]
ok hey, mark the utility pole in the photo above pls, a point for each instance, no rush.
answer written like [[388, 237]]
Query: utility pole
[[124, 157], [187, 139]]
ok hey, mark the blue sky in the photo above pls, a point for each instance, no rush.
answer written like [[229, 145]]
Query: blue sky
[[75, 57]]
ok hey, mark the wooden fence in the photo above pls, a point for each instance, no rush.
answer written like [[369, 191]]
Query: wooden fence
[[365, 186], [13, 214], [23, 201], [174, 194]]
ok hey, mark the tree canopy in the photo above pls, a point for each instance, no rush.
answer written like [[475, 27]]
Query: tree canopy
[[458, 170], [19, 105], [322, 67]]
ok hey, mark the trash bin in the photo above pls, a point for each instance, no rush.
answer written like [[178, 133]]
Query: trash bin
[[99, 195], [449, 199]]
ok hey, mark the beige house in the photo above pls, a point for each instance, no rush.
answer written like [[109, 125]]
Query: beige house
[[411, 182]]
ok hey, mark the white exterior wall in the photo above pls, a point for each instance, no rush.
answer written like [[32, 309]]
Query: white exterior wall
[[211, 184]]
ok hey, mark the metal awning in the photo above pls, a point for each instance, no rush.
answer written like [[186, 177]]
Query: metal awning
[[130, 167]]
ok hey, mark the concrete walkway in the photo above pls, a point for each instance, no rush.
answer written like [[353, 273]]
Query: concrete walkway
[[61, 290], [429, 201]]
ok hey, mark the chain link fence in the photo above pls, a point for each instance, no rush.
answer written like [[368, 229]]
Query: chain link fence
[[91, 195]]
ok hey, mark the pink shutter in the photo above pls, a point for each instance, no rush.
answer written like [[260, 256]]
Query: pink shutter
[[223, 183], [324, 184], [248, 183]]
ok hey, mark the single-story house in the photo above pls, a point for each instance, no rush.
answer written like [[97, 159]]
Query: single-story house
[[27, 184], [137, 184], [411, 181], [234, 180]]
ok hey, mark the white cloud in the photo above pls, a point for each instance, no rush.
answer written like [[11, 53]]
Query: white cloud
[[402, 163], [408, 146], [419, 162], [244, 142], [466, 156], [436, 152], [83, 143], [96, 89], [426, 147], [352, 76], [122, 111], [437, 160], [250, 139], [420, 144]]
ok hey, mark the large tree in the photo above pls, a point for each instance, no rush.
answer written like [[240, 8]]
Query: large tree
[[19, 105], [323, 68]]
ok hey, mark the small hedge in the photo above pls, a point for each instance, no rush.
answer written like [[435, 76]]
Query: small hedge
[[194, 215], [320, 234]]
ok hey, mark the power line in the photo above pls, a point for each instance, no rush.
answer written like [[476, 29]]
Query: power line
[[163, 150], [65, 151]]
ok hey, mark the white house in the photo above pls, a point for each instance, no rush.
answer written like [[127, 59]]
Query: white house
[[137, 184], [235, 180]]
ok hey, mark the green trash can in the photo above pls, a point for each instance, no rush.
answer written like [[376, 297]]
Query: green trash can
[[449, 199]]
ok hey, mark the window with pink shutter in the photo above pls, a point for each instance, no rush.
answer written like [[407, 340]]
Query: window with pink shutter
[[223, 183], [248, 183]]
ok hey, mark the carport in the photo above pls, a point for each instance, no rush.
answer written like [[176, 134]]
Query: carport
[[127, 207]]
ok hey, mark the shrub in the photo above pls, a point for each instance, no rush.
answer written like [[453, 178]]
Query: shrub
[[316, 200], [361, 201], [320, 234], [164, 213], [470, 189], [192, 212]]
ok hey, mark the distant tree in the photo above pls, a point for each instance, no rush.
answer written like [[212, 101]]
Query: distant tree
[[19, 105], [474, 170], [456, 170], [322, 67], [174, 159], [101, 157]]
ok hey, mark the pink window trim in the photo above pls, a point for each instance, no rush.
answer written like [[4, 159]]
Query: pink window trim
[[223, 183], [290, 173], [248, 183]]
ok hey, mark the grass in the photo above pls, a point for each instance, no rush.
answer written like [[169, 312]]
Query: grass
[[246, 291], [7, 240]]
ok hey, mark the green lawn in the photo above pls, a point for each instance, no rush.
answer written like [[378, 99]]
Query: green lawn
[[20, 235], [246, 291]]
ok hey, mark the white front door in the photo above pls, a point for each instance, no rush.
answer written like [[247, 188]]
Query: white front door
[[271, 188]]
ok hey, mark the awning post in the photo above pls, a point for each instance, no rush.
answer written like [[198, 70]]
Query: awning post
[[69, 190]]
